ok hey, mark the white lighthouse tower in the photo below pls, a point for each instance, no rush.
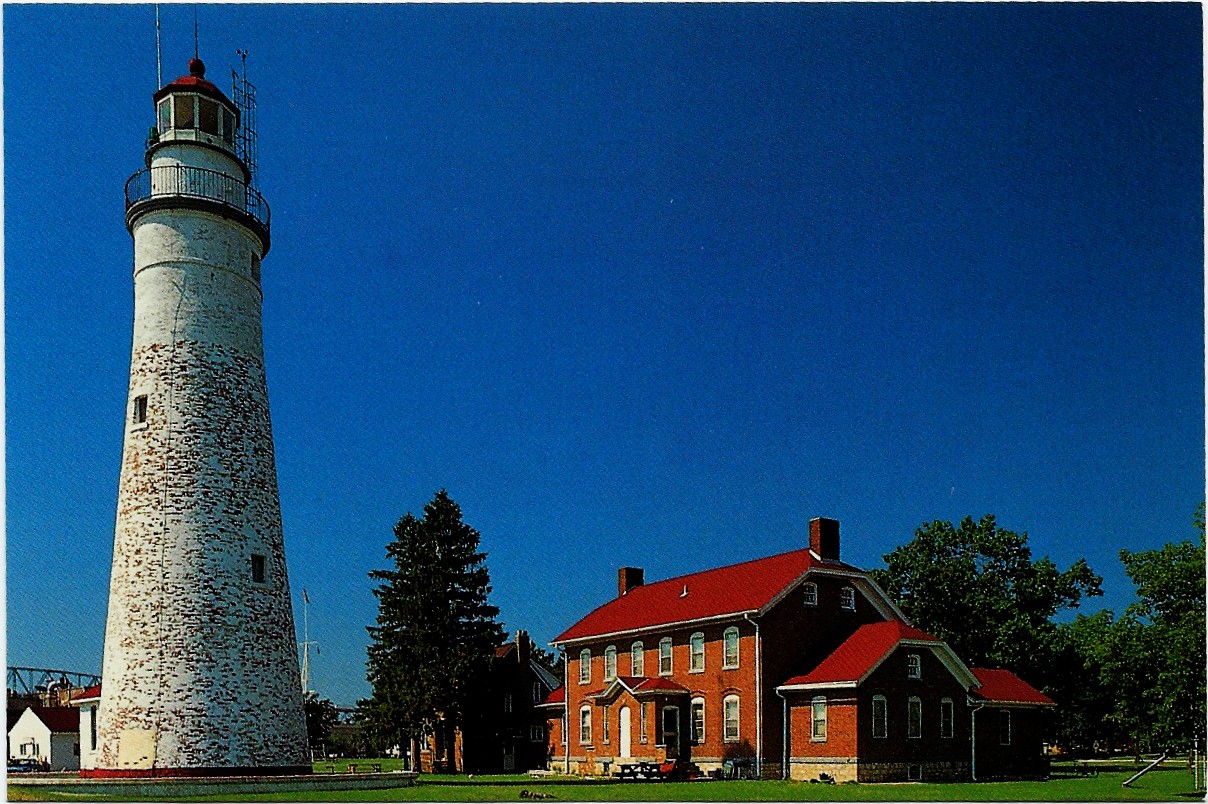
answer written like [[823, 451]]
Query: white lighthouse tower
[[200, 671]]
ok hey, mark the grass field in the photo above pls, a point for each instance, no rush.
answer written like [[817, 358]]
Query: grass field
[[1170, 784]]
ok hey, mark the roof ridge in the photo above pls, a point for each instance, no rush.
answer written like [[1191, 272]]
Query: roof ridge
[[722, 567]]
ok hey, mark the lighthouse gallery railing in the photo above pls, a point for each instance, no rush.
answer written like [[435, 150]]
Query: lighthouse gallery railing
[[195, 182]]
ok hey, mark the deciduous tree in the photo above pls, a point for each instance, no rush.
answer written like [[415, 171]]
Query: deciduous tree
[[977, 587]]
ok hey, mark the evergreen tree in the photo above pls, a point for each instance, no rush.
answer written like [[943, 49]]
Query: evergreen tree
[[435, 633]]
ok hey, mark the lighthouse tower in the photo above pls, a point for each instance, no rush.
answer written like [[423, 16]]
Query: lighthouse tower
[[200, 671]]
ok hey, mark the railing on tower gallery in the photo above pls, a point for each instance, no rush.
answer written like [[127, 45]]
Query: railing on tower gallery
[[194, 182]]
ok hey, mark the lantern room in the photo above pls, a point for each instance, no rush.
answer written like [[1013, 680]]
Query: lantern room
[[193, 109]]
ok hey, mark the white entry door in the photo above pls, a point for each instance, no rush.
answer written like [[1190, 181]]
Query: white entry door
[[623, 729]]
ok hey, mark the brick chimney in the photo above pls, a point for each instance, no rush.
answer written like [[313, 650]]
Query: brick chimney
[[628, 578], [524, 646], [824, 537]]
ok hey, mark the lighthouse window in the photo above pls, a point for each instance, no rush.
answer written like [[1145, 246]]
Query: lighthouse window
[[139, 414], [165, 115], [228, 125], [257, 568], [208, 115], [184, 110], [256, 267]]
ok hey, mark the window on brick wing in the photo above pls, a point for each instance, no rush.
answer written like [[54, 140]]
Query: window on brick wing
[[585, 725], [610, 662], [637, 660], [809, 594], [604, 724], [698, 720], [818, 719], [880, 707], [697, 663], [847, 598], [914, 717], [665, 656], [729, 706], [585, 666], [729, 659], [914, 666]]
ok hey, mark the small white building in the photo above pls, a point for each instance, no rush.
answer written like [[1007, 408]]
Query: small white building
[[49, 734], [87, 700]]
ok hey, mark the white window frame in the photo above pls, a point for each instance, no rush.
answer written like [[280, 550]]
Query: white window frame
[[884, 702], [818, 718], [604, 730], [729, 638], [585, 666], [696, 653], [666, 657], [696, 720], [637, 659], [536, 733], [809, 594], [1004, 720], [914, 718], [947, 718], [610, 662], [731, 727], [538, 692], [585, 724], [642, 738], [847, 598], [914, 666]]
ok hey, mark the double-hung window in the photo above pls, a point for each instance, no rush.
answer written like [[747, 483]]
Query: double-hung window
[[697, 655]]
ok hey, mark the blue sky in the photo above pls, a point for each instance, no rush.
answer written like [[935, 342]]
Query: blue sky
[[646, 285]]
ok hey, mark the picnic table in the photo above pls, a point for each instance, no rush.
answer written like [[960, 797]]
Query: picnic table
[[364, 767], [646, 770]]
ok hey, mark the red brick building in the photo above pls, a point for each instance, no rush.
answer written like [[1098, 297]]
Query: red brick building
[[793, 665], [505, 731]]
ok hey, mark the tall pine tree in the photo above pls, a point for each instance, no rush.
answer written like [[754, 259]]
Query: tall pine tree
[[435, 632]]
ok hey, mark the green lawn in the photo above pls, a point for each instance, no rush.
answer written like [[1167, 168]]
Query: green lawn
[[1170, 784]]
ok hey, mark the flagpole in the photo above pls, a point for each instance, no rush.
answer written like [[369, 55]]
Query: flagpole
[[305, 642]]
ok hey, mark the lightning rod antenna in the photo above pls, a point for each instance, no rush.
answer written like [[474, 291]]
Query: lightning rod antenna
[[195, 48], [159, 70]]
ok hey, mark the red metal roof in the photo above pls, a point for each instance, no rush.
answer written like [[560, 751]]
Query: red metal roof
[[194, 82], [656, 685], [713, 593], [861, 652], [557, 696], [87, 694], [1003, 686], [59, 719]]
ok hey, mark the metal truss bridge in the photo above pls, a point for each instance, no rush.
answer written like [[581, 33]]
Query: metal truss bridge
[[36, 680]]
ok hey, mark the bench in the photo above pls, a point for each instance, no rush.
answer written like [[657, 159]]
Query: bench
[[364, 767]]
